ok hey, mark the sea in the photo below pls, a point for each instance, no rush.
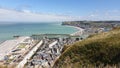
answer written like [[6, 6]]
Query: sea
[[9, 30]]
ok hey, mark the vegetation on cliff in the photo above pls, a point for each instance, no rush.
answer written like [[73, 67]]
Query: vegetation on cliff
[[100, 49]]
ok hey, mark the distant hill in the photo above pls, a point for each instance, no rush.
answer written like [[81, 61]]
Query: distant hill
[[89, 24], [98, 50]]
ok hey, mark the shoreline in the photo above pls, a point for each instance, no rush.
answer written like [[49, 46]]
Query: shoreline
[[78, 33], [79, 30]]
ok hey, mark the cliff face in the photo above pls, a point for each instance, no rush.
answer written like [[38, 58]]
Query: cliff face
[[100, 49], [89, 24]]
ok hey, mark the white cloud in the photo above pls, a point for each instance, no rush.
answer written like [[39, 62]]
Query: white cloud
[[26, 11], [104, 15], [9, 15], [28, 16]]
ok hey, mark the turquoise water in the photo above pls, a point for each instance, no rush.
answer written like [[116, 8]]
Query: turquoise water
[[8, 31]]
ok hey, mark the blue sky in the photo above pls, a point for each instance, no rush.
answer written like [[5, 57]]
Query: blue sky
[[74, 8]]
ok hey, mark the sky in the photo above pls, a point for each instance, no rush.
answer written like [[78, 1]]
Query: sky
[[58, 10]]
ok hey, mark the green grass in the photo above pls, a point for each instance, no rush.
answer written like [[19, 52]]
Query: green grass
[[98, 49]]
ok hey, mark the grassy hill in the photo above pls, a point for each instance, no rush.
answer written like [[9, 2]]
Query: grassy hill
[[97, 50]]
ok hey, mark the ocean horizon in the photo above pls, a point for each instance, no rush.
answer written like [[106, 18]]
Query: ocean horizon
[[7, 31]]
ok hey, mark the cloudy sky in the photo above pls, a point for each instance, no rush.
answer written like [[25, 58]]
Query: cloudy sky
[[58, 10]]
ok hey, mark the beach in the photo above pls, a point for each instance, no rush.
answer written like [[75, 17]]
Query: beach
[[78, 33], [9, 45]]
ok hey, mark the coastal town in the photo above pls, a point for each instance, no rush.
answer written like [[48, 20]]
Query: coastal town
[[42, 50], [35, 51]]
